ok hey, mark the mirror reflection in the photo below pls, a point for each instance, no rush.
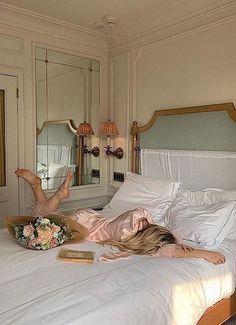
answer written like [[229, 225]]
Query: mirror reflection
[[67, 94]]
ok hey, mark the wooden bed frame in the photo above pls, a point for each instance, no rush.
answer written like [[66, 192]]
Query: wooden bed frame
[[226, 308], [220, 312]]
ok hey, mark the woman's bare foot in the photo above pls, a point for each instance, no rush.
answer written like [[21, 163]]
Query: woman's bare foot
[[63, 190], [61, 194], [29, 177]]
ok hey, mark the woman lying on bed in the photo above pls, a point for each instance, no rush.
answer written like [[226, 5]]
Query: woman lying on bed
[[133, 232]]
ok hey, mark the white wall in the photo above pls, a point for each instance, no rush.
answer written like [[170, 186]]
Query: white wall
[[182, 65], [190, 68], [20, 33]]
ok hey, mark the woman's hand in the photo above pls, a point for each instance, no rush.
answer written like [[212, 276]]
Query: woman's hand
[[185, 248], [189, 252], [214, 257]]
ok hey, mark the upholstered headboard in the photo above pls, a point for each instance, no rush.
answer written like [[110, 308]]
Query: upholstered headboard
[[195, 145]]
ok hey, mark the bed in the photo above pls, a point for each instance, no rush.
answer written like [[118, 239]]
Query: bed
[[203, 134], [37, 288]]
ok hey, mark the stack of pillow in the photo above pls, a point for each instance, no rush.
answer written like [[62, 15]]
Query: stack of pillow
[[203, 218]]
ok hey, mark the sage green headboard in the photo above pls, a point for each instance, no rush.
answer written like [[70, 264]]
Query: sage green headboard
[[58, 132], [208, 127], [201, 131]]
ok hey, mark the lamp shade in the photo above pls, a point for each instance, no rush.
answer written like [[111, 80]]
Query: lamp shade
[[109, 128], [84, 129]]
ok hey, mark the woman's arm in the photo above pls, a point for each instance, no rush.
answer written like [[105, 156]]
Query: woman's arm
[[210, 256]]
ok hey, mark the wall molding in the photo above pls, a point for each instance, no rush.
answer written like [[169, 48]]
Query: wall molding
[[190, 24], [27, 21], [12, 45], [111, 116], [135, 48], [137, 53], [124, 140], [135, 60]]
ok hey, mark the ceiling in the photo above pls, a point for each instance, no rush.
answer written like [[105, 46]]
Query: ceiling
[[135, 17]]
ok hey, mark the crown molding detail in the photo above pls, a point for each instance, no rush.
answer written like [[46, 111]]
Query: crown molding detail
[[27, 21], [11, 16], [198, 19]]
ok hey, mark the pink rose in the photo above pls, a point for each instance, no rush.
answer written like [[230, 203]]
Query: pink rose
[[44, 234], [55, 228], [53, 243], [33, 242], [28, 230]]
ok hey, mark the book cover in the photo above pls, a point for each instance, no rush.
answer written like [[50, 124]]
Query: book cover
[[76, 256]]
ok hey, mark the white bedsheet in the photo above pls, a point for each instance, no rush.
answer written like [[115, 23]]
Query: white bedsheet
[[36, 288]]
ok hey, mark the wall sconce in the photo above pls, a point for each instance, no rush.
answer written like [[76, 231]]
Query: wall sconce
[[84, 130], [109, 129]]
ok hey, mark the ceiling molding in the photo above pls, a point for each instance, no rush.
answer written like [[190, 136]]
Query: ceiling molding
[[45, 18], [197, 19], [36, 23], [115, 41]]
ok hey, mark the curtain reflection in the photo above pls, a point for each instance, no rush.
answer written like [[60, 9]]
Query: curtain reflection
[[2, 140]]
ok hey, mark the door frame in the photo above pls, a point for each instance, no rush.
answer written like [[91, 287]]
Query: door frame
[[19, 75]]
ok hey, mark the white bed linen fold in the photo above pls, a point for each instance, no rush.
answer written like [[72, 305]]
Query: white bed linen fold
[[36, 288]]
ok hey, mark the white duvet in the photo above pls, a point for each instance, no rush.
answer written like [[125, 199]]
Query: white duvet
[[36, 288]]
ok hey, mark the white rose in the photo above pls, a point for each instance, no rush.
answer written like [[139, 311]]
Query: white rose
[[45, 221]]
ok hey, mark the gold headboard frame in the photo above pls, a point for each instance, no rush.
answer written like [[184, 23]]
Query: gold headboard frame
[[68, 122], [228, 108]]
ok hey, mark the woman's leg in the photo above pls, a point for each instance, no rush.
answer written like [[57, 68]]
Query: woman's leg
[[61, 194], [35, 183]]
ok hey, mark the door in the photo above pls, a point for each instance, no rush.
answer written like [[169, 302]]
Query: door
[[8, 147]]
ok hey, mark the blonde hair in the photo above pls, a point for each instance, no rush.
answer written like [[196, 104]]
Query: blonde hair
[[145, 242]]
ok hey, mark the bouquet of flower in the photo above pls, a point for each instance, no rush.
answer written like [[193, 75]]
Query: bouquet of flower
[[46, 232]]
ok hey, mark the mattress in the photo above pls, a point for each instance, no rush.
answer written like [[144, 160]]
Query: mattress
[[37, 288]]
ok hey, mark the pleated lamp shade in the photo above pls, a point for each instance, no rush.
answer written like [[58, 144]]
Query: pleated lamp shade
[[109, 128], [84, 129]]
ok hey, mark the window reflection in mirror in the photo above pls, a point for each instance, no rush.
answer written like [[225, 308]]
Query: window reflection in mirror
[[2, 140], [67, 94]]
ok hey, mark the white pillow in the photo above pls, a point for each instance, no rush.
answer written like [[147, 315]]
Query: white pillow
[[138, 191], [205, 225], [71, 168], [42, 173], [41, 167], [208, 196], [55, 172]]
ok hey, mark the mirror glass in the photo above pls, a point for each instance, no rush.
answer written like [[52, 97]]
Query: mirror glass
[[67, 94], [2, 140]]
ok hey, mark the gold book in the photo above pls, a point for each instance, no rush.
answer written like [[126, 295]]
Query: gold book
[[76, 256]]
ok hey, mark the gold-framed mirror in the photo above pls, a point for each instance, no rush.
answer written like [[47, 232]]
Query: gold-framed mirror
[[67, 94]]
